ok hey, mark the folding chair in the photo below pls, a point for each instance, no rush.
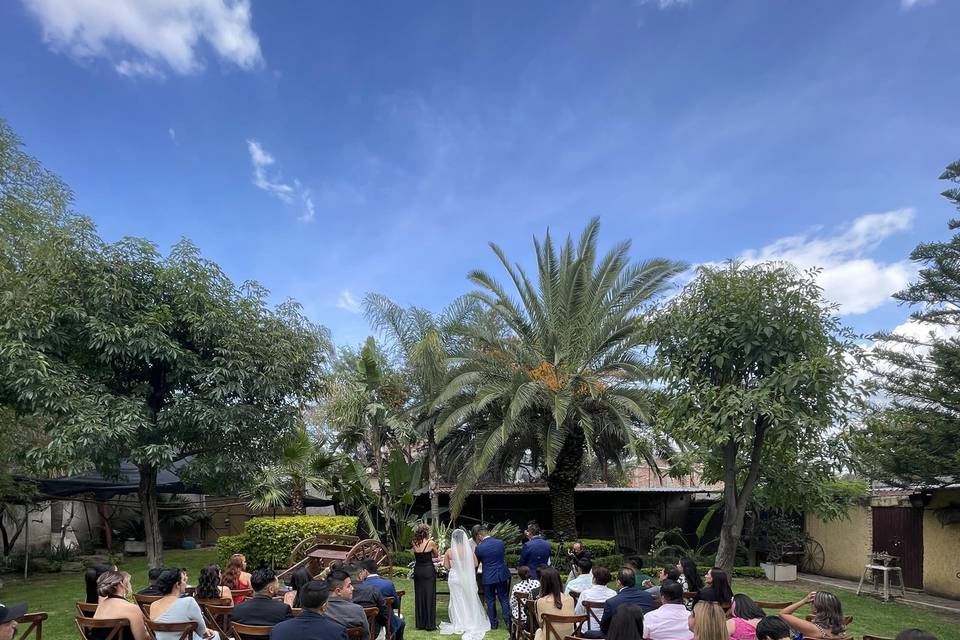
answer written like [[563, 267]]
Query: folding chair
[[217, 616], [87, 609], [241, 592], [773, 605], [594, 613], [116, 626], [875, 638], [34, 623], [185, 629], [372, 613], [552, 621], [389, 630], [144, 602], [243, 631], [354, 633]]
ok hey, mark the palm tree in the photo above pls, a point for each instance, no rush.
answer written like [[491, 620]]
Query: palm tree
[[424, 342], [566, 367]]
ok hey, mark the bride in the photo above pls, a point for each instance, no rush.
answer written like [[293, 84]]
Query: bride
[[466, 612]]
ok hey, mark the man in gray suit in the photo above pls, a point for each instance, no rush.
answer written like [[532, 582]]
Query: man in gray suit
[[340, 605]]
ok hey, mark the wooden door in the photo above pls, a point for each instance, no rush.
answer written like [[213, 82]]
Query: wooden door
[[899, 532]]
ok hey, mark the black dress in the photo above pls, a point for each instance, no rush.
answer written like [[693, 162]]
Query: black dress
[[425, 590]]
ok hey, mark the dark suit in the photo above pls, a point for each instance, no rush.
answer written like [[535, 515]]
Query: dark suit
[[349, 614], [309, 626], [366, 595], [388, 590], [627, 595], [535, 552], [261, 610], [496, 578]]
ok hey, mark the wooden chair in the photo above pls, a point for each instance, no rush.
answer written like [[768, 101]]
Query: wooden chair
[[144, 603], [354, 633], [774, 605], [517, 630], [243, 631], [690, 595], [185, 629], [86, 609], [551, 621], [388, 634], [116, 625], [34, 623], [217, 616], [594, 613], [530, 606], [875, 638], [242, 592], [372, 613], [575, 595]]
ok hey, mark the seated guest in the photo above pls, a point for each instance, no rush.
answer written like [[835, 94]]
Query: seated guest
[[235, 576], [596, 592], [8, 619], [627, 593], [113, 587], [584, 577], [174, 608], [827, 616], [296, 581], [690, 579], [312, 623], [774, 628], [151, 588], [636, 563], [525, 584], [367, 595], [262, 609], [554, 601], [708, 622], [669, 620], [90, 577], [387, 589], [915, 634], [718, 588], [340, 606], [209, 588], [628, 625], [745, 616], [669, 572]]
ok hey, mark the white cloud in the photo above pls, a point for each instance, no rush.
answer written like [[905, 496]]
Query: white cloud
[[173, 134], [141, 36], [856, 282], [669, 4], [906, 5], [347, 302], [274, 184]]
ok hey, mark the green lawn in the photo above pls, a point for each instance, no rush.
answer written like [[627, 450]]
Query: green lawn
[[56, 594]]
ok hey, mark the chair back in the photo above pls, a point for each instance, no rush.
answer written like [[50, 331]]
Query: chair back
[[185, 629], [594, 613], [388, 634], [243, 631], [689, 595], [574, 594], [555, 626], [372, 613], [33, 623], [875, 638], [248, 593], [114, 625], [217, 616], [354, 633], [144, 602], [87, 609], [773, 605]]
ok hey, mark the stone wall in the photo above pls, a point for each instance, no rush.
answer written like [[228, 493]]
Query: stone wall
[[846, 542]]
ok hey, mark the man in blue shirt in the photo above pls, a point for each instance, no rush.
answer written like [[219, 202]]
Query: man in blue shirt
[[311, 624], [536, 551]]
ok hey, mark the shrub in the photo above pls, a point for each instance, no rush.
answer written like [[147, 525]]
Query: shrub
[[612, 562], [739, 572], [270, 540], [401, 558], [599, 548]]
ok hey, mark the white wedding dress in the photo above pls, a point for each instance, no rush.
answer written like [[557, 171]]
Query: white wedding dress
[[466, 613]]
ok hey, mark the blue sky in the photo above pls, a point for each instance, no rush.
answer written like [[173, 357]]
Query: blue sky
[[336, 148]]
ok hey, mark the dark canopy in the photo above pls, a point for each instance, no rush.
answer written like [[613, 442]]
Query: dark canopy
[[105, 488]]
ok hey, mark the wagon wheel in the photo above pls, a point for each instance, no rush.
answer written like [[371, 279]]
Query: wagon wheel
[[301, 550], [813, 557], [370, 549]]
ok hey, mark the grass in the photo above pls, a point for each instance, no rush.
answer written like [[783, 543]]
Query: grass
[[56, 594]]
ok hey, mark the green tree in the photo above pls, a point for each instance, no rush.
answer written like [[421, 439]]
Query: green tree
[[423, 342], [130, 354], [913, 435], [564, 369], [757, 372]]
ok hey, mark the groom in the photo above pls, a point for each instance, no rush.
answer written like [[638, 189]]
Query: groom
[[496, 577]]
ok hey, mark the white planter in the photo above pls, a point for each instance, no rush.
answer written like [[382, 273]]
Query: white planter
[[135, 547], [779, 572]]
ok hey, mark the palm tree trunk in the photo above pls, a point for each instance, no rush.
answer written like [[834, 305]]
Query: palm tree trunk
[[563, 481], [297, 497], [433, 480]]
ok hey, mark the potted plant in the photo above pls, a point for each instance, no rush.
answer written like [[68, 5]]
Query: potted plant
[[784, 538]]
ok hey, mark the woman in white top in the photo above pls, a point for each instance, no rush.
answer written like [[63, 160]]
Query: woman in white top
[[174, 608]]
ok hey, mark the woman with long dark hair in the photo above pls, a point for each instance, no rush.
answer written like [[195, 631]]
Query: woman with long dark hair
[[745, 616], [718, 588], [774, 628], [424, 578], [827, 616], [172, 607], [90, 577], [209, 587], [554, 601], [627, 624], [296, 582]]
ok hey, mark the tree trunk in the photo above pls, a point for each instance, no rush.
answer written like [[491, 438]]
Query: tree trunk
[[297, 497], [147, 493], [9, 541], [735, 502], [562, 482], [433, 480]]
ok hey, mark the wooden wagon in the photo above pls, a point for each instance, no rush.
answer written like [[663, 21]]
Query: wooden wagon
[[316, 553]]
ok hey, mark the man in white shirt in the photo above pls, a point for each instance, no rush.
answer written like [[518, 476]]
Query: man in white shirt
[[596, 592], [669, 621], [584, 578]]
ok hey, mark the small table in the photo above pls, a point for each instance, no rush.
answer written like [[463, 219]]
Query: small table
[[882, 563]]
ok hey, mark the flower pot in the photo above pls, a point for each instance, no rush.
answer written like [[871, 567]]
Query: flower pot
[[132, 547], [779, 571]]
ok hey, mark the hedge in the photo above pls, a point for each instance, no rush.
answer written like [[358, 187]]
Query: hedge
[[270, 540]]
